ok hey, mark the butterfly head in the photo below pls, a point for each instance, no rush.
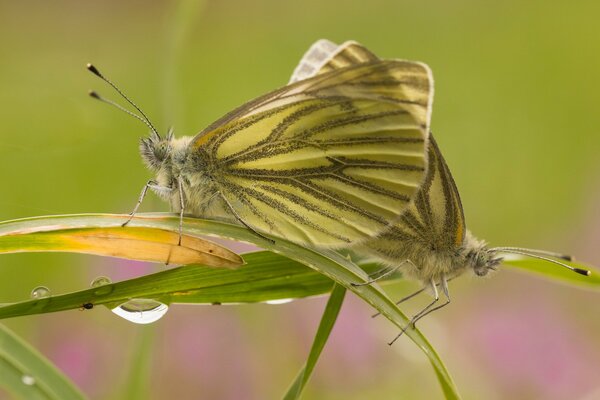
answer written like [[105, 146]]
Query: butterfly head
[[483, 261], [479, 257], [155, 150]]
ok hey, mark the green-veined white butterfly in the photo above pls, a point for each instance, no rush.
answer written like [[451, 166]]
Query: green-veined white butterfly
[[328, 160], [429, 241]]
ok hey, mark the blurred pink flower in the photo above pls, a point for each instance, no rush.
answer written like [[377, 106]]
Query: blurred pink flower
[[529, 350]]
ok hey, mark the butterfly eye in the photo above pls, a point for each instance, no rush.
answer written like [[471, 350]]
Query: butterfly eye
[[154, 152], [481, 270], [160, 151]]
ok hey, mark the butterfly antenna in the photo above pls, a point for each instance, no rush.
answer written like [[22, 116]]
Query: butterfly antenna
[[145, 118], [96, 96], [524, 252], [565, 257]]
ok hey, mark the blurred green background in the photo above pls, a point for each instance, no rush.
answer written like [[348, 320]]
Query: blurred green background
[[515, 114]]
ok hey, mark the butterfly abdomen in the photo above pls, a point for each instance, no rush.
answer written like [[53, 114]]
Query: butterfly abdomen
[[419, 260]]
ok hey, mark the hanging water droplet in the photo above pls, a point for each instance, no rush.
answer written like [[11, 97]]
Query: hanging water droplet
[[279, 301], [40, 292], [28, 380], [141, 311], [101, 281]]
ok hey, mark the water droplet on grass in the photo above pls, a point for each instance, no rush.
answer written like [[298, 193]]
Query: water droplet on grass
[[40, 292], [28, 380], [279, 301], [141, 311], [101, 281]]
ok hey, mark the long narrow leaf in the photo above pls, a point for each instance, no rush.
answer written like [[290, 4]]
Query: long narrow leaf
[[329, 263], [555, 272], [330, 315], [265, 277], [137, 243], [29, 375], [139, 373]]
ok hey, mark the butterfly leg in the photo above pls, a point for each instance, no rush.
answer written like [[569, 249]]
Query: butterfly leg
[[428, 310], [410, 296], [382, 273], [436, 298], [182, 205], [151, 184], [402, 300], [444, 284]]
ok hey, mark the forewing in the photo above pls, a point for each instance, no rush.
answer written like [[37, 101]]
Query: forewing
[[330, 160], [313, 59], [325, 56]]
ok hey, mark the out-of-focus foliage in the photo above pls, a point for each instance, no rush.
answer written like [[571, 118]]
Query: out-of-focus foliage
[[28, 374], [514, 115]]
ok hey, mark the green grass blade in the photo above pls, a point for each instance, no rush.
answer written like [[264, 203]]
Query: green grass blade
[[325, 326], [329, 263], [266, 276], [556, 273], [139, 373], [18, 360]]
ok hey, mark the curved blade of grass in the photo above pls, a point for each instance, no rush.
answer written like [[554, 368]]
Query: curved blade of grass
[[137, 243], [329, 263], [555, 272], [19, 359], [266, 276], [330, 315], [139, 373]]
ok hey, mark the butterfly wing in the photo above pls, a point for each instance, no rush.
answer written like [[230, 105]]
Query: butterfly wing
[[434, 219], [325, 56], [329, 160]]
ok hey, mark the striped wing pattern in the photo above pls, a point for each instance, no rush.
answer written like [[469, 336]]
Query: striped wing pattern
[[325, 56], [329, 160], [433, 219]]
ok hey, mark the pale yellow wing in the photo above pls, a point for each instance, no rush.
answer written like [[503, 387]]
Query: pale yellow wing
[[435, 216], [330, 160], [434, 219]]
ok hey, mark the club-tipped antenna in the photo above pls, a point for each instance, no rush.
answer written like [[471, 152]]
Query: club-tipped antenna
[[552, 254], [145, 118], [96, 96], [511, 250]]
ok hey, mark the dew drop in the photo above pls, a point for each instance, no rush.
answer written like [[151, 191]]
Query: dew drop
[[141, 311], [279, 301], [40, 292], [103, 286], [101, 281], [28, 380]]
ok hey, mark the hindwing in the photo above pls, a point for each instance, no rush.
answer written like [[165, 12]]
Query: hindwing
[[434, 218]]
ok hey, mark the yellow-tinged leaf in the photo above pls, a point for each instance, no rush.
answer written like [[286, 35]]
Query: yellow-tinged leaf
[[135, 243]]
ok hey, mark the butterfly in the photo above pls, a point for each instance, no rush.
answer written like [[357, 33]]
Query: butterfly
[[429, 242], [328, 160]]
